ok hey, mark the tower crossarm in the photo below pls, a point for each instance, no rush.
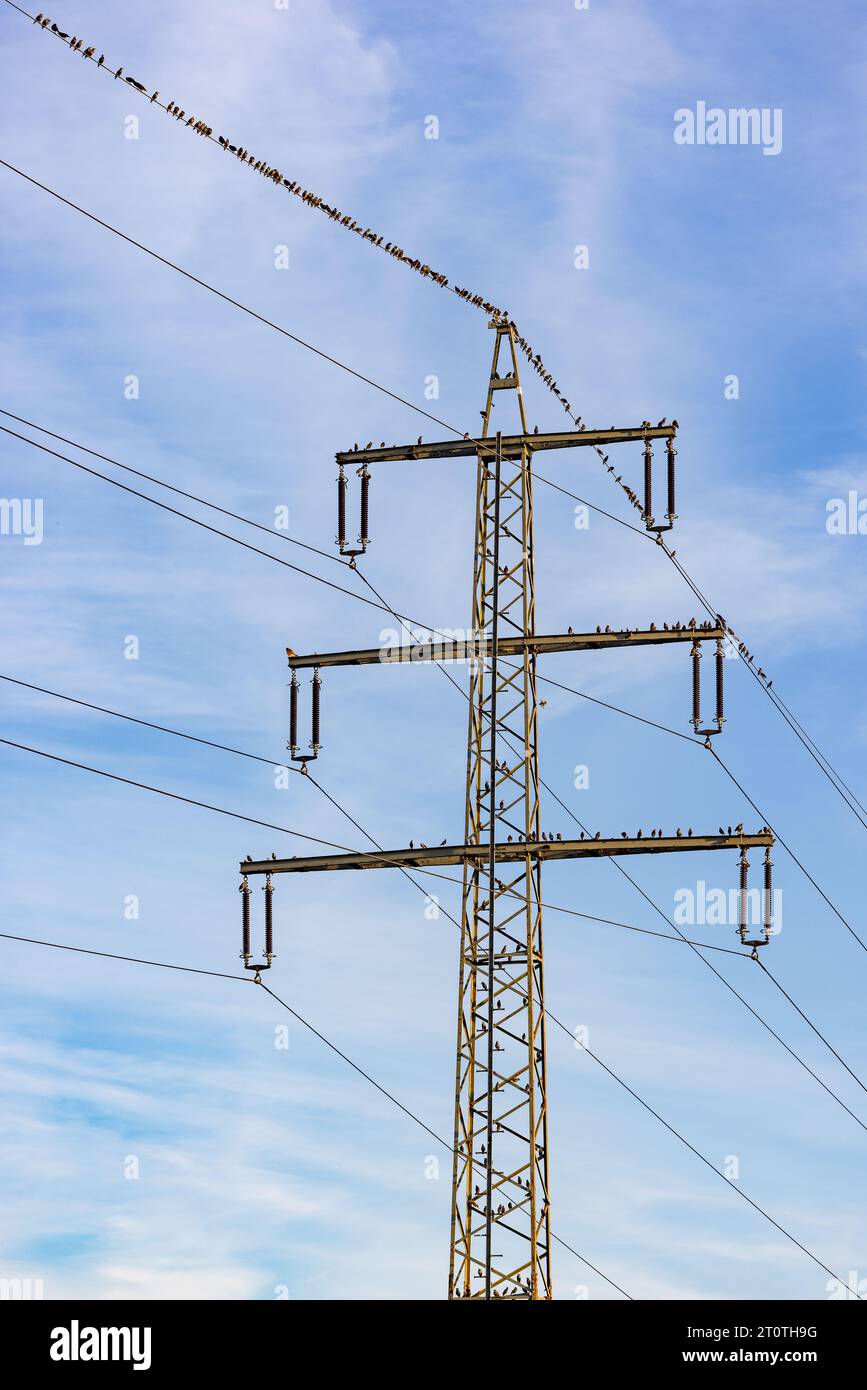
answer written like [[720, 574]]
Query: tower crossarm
[[512, 444], [480, 648], [507, 852]]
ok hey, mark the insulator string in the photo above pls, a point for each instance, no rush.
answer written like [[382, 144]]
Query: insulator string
[[245, 918], [341, 508], [293, 714], [768, 923], [269, 919], [317, 684], [365, 507], [671, 452], [744, 869]]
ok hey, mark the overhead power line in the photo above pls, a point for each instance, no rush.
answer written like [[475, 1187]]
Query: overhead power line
[[185, 516], [367, 1076], [697, 951], [309, 778], [792, 855], [824, 765], [74, 45], [706, 1161], [161, 791], [697, 947], [402, 618], [385, 607], [562, 1026], [181, 492], [236, 303], [115, 955], [478, 301]]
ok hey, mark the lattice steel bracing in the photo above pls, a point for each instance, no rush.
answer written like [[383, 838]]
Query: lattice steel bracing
[[500, 1243]]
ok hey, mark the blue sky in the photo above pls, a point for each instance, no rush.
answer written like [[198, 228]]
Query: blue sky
[[264, 1169]]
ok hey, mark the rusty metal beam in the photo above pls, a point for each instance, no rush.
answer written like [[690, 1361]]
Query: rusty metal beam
[[512, 444], [441, 856], [462, 650]]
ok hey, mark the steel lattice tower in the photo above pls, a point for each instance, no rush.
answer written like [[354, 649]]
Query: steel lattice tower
[[500, 1203], [500, 1222]]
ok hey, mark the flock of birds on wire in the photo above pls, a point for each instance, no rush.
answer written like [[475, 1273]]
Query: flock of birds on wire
[[260, 166], [640, 834]]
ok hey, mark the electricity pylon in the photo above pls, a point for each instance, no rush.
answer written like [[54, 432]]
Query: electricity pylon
[[501, 1207]]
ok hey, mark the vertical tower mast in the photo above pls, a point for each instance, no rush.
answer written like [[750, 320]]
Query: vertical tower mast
[[500, 1204]]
